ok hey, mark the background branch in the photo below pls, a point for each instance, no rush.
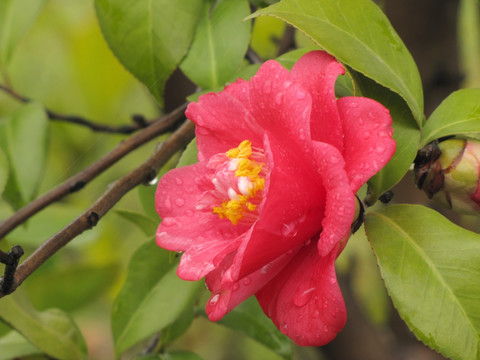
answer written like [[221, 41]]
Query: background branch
[[138, 121], [78, 181], [144, 173]]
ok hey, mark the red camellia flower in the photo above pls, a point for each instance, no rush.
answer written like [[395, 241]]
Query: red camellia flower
[[269, 206]]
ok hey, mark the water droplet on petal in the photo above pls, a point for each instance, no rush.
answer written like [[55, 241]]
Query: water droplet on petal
[[300, 94], [169, 222], [303, 296], [333, 279], [236, 286], [289, 229], [380, 149], [247, 281], [266, 268], [168, 204], [316, 313], [178, 181], [353, 104], [287, 84], [366, 134], [189, 212], [325, 304], [284, 328], [325, 328], [214, 299], [180, 202]]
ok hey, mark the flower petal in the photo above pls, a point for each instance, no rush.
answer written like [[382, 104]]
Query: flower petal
[[340, 200], [223, 120], [317, 72], [281, 107], [177, 191], [227, 295], [290, 213], [368, 138], [304, 299]]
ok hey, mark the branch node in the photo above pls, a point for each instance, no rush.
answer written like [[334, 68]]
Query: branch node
[[7, 284], [92, 219], [140, 120], [77, 186]]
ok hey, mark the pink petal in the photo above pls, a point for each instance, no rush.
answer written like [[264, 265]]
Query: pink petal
[[280, 106], [223, 120], [304, 299], [317, 72], [177, 191], [204, 238], [368, 138], [291, 211], [340, 200], [227, 295]]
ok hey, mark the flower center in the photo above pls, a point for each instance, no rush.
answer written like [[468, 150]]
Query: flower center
[[238, 183]]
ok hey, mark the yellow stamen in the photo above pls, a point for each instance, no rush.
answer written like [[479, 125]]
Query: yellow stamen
[[234, 209]]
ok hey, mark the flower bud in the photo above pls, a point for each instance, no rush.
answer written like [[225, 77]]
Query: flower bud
[[448, 172]]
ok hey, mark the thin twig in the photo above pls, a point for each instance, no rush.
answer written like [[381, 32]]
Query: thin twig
[[143, 174], [78, 181], [287, 39], [138, 121]]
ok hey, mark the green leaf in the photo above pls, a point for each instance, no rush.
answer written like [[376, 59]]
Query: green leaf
[[405, 133], [4, 169], [70, 286], [431, 269], [149, 37], [266, 36], [52, 331], [359, 35], [27, 141], [189, 156], [152, 298], [458, 114], [16, 17], [249, 318], [14, 345], [145, 223], [174, 355], [220, 43], [469, 41]]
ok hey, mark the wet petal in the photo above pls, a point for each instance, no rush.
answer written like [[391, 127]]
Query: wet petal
[[290, 214], [340, 200], [304, 299], [223, 120], [368, 138], [317, 72]]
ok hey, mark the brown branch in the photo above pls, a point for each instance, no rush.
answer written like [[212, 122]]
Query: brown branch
[[138, 121], [144, 173], [79, 180]]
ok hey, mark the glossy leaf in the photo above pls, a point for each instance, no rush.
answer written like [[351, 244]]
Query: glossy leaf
[[152, 298], [220, 43], [149, 37], [144, 223], [458, 114], [431, 269], [405, 133], [70, 286], [469, 41], [27, 141], [4, 169], [359, 35], [16, 17], [52, 330], [14, 346], [249, 318]]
